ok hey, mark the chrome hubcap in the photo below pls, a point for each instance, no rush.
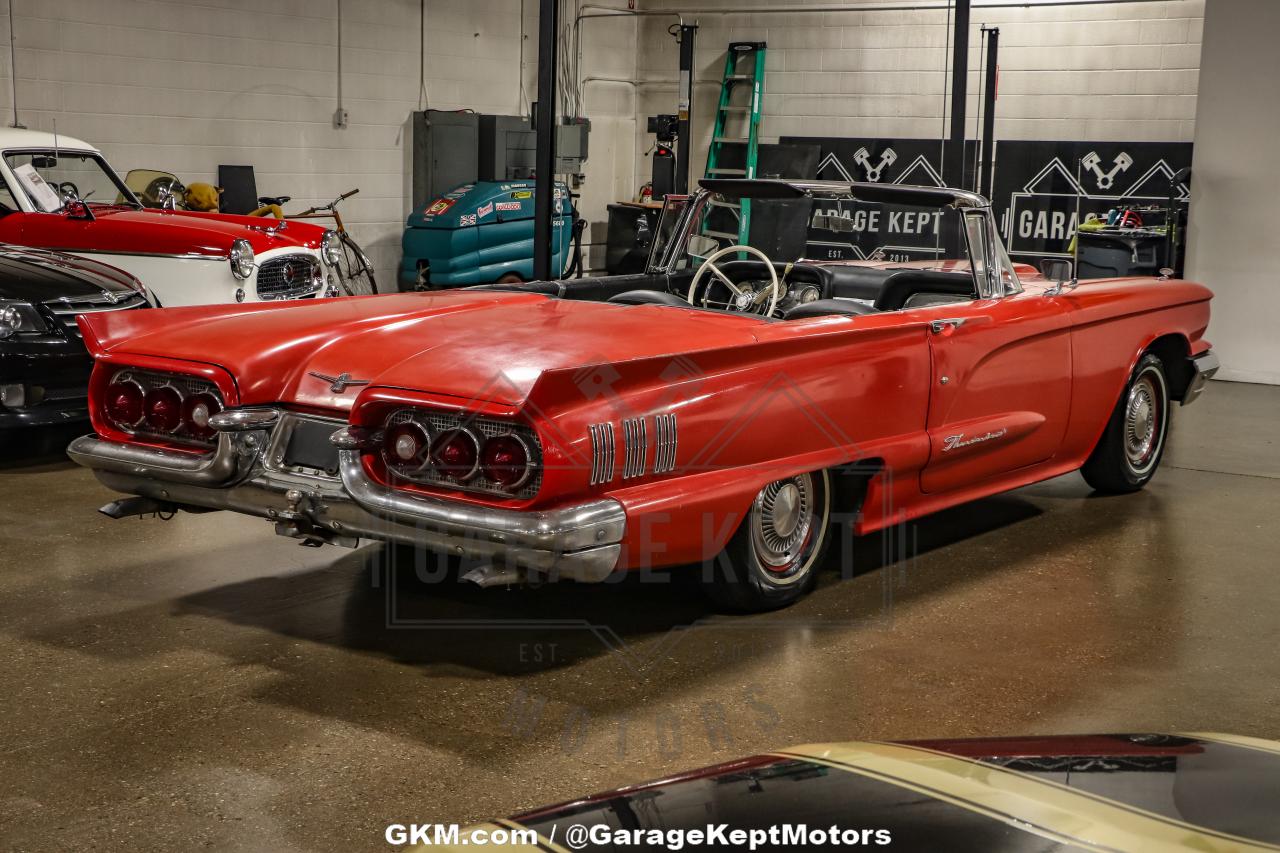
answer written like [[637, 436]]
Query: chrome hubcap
[[1142, 423], [786, 510], [782, 520]]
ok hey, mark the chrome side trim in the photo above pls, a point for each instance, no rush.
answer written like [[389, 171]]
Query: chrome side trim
[[603, 453], [186, 256], [1203, 367], [635, 440], [666, 438]]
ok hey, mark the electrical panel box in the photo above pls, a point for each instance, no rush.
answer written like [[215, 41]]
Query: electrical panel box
[[507, 148], [445, 153], [571, 146], [455, 148]]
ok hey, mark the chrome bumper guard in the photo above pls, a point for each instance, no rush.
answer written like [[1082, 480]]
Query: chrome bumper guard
[[579, 542], [1203, 367]]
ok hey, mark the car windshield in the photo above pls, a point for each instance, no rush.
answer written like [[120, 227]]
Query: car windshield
[[49, 178], [829, 229], [818, 223]]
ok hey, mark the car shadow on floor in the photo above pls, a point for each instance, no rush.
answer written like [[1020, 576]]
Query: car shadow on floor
[[39, 447], [388, 609], [457, 659]]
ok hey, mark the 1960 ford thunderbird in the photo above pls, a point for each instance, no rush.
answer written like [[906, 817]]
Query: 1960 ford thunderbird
[[731, 407]]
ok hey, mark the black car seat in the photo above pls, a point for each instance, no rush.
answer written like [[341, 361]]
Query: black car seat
[[830, 308], [649, 297], [856, 282], [902, 285]]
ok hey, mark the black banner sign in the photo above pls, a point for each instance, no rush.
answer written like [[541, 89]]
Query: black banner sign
[[1041, 187], [875, 230], [1037, 185]]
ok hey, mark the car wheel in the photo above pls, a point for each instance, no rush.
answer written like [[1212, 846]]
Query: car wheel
[[1129, 452], [771, 560]]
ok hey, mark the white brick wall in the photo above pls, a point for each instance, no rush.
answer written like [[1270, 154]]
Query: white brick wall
[[185, 85], [1124, 71]]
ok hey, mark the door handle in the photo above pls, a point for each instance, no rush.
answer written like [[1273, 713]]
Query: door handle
[[946, 326]]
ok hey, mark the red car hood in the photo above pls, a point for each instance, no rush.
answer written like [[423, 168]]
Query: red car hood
[[488, 345], [169, 232]]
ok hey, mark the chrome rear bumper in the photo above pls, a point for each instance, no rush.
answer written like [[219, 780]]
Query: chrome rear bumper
[[1203, 367], [579, 542]]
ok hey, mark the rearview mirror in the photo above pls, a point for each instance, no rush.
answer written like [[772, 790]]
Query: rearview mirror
[[77, 209], [44, 161], [1056, 269], [644, 236]]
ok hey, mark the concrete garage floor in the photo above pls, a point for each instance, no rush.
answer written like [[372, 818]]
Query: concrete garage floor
[[203, 682]]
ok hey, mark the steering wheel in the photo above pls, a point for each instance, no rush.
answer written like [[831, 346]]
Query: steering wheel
[[743, 300], [66, 188]]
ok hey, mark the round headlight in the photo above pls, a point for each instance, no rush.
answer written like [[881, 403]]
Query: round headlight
[[10, 321], [331, 248], [241, 259], [18, 317]]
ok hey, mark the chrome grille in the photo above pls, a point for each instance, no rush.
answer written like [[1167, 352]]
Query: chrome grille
[[664, 456], [289, 277], [438, 422], [68, 308], [635, 441], [603, 452]]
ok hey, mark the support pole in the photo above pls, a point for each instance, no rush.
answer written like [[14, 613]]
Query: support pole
[[684, 107], [985, 177], [953, 168], [544, 201]]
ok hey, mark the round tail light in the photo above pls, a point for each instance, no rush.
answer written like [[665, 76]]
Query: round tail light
[[456, 454], [505, 461], [162, 408], [196, 411], [124, 402], [405, 447]]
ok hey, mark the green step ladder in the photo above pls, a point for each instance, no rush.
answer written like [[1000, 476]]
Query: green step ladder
[[743, 70]]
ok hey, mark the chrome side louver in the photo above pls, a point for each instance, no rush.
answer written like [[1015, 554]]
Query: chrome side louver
[[602, 453], [635, 448], [635, 440], [664, 458]]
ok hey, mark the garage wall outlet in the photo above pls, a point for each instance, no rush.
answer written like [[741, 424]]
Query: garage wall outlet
[[340, 118]]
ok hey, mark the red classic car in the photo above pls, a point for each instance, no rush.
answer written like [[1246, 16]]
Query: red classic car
[[728, 407], [60, 193]]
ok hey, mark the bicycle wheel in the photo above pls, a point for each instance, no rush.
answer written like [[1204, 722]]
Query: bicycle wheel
[[355, 269]]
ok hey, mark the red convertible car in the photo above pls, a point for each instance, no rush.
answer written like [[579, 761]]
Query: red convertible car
[[730, 407]]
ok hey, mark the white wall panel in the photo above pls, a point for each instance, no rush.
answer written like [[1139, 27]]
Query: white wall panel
[[1235, 184], [186, 85], [1123, 71]]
